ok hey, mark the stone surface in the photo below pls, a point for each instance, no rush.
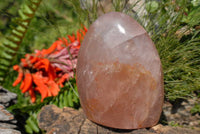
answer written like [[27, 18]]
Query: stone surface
[[119, 74], [7, 120], [7, 98], [173, 130], [70, 121], [179, 113], [4, 114], [8, 131]]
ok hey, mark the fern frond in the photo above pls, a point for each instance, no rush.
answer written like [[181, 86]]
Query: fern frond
[[12, 42]]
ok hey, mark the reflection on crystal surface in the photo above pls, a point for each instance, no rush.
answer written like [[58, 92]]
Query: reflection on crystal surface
[[121, 29], [119, 74]]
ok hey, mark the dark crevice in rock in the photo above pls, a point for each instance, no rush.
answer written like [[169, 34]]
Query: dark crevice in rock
[[10, 122], [176, 105], [97, 129], [163, 119], [79, 131]]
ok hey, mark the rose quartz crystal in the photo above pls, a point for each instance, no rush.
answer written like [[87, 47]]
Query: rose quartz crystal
[[119, 74]]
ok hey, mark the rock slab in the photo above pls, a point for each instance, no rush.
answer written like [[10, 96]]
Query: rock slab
[[8, 123], [71, 121], [119, 74], [7, 98]]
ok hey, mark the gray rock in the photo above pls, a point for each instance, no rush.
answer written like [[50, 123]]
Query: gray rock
[[7, 121], [4, 114], [180, 113], [8, 131], [7, 97], [7, 125]]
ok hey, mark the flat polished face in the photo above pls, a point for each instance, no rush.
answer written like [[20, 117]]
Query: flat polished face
[[119, 74]]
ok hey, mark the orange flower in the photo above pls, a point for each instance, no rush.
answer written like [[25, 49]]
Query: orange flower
[[27, 82], [79, 36], [43, 90], [83, 32], [53, 87], [51, 73], [18, 80], [24, 63], [56, 46], [85, 29], [72, 38], [16, 67], [43, 63], [62, 79], [20, 75], [38, 79], [34, 59], [44, 86], [32, 94], [51, 49], [48, 69], [22, 85], [40, 85]]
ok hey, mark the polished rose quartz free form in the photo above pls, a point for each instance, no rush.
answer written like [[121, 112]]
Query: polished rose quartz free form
[[119, 74]]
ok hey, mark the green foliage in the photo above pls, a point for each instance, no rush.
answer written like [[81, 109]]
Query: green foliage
[[32, 124], [11, 43], [119, 5], [180, 64], [174, 124], [68, 97], [177, 42], [196, 108], [152, 6], [192, 18], [195, 2], [85, 9]]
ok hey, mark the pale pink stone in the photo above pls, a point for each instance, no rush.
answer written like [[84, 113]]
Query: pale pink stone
[[119, 74]]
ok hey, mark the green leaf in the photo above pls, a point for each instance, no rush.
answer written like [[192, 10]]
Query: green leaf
[[9, 43], [4, 55], [152, 6], [193, 17], [61, 105], [17, 33], [15, 38], [22, 15], [25, 23], [9, 51], [20, 28], [3, 68], [27, 9], [65, 98], [2, 73], [69, 96], [28, 129], [32, 124], [5, 62]]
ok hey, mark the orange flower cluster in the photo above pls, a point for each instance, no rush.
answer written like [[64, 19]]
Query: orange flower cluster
[[46, 70]]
